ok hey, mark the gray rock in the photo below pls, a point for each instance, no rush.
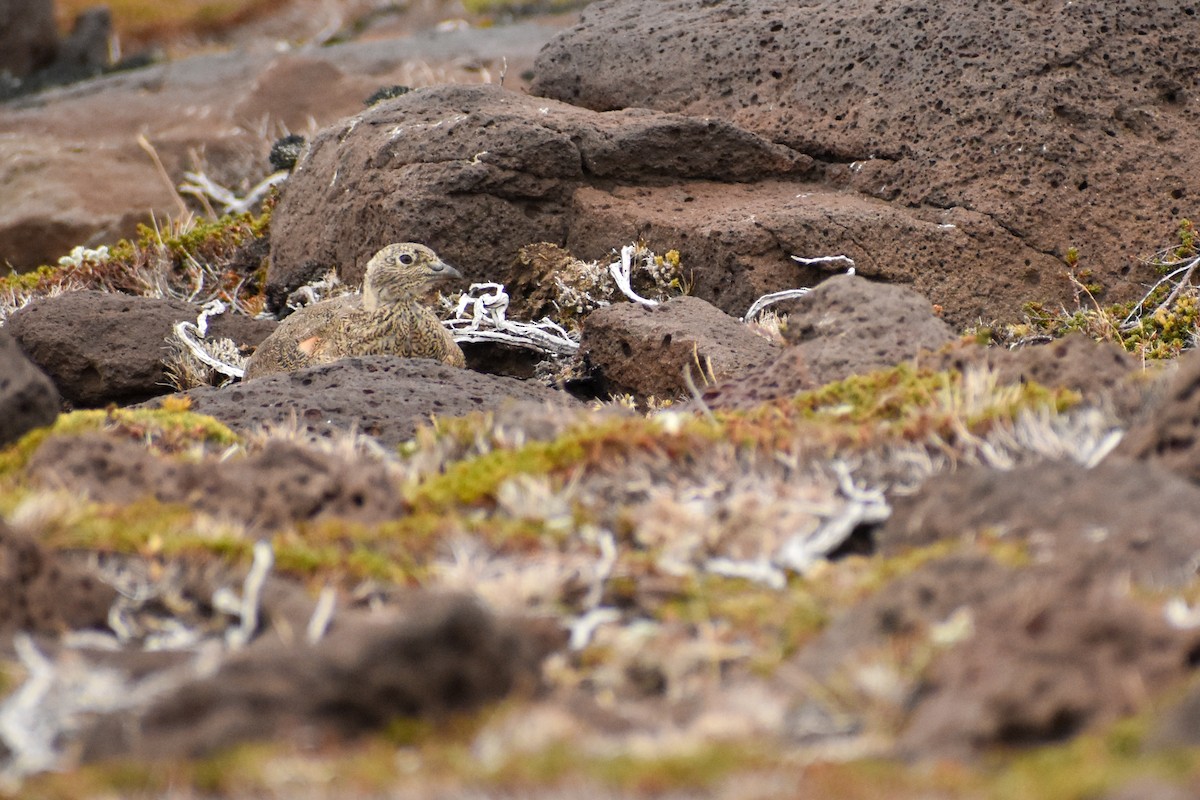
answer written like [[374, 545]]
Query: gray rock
[[102, 348], [28, 399], [384, 396]]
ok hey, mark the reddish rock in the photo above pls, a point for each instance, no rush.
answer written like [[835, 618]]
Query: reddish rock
[[1062, 124], [383, 396], [27, 397], [478, 172], [645, 351], [102, 348]]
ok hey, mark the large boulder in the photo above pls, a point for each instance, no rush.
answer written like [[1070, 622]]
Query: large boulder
[[1057, 124], [479, 172], [76, 172]]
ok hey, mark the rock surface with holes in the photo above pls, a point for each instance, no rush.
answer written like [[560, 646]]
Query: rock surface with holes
[[282, 485], [101, 347], [42, 592], [845, 326], [645, 351], [492, 171], [383, 396], [1063, 124]]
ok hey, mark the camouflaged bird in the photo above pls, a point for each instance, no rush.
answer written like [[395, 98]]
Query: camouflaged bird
[[386, 319]]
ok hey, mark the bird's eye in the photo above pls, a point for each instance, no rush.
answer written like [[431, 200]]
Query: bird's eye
[[406, 259]]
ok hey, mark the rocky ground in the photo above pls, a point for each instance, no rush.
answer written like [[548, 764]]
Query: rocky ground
[[925, 531]]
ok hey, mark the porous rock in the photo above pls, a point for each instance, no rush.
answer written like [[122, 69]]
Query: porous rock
[[1054, 652], [477, 172], [101, 347], [934, 106], [40, 592], [1043, 652], [1103, 373], [645, 351], [445, 654], [845, 326], [1113, 518], [383, 396], [1169, 432], [74, 171], [28, 399], [283, 484], [734, 205]]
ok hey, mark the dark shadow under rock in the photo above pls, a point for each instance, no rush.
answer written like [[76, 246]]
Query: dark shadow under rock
[[444, 655], [101, 347], [646, 351], [28, 399], [382, 396], [284, 484], [1116, 518]]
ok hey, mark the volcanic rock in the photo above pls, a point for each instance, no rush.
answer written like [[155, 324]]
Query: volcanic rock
[[102, 348], [27, 397], [383, 396], [1061, 124], [645, 351]]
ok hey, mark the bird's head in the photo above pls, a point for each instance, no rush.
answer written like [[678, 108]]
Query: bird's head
[[402, 272]]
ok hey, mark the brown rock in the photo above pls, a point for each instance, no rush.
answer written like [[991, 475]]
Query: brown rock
[[1113, 518], [27, 397], [280, 486], [1169, 432], [383, 396], [933, 108], [845, 326], [1053, 654], [477, 173], [102, 348], [41, 593], [1102, 372], [447, 654], [645, 351]]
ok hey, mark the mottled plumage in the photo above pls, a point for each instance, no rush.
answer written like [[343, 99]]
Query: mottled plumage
[[386, 319]]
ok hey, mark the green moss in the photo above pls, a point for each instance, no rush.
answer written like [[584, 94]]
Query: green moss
[[162, 429]]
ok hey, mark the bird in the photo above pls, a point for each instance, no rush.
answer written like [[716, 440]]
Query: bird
[[388, 318]]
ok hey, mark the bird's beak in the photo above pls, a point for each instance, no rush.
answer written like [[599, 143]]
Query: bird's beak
[[445, 271]]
